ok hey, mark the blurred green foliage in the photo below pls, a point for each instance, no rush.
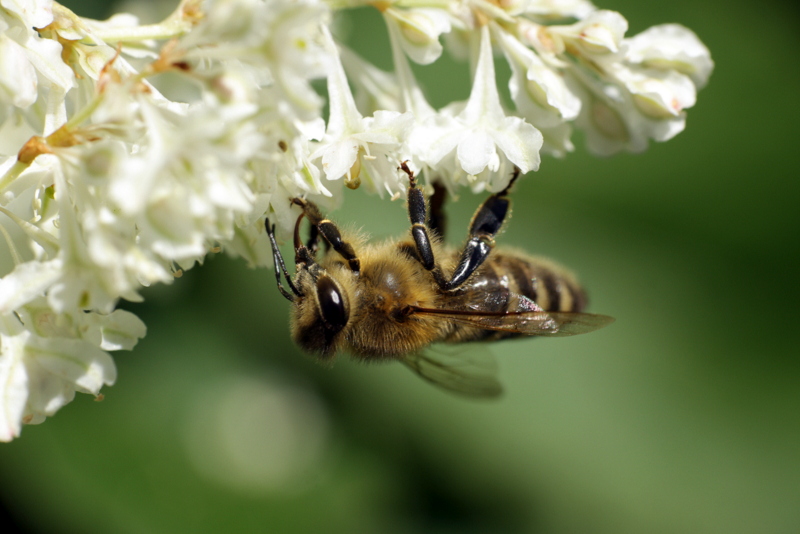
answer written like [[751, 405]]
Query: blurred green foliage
[[683, 416]]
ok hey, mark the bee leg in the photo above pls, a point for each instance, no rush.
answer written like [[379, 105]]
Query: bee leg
[[329, 231], [313, 241], [486, 222], [419, 230], [437, 222], [312, 245]]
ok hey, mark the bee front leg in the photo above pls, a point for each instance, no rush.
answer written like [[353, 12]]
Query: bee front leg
[[313, 241], [329, 231], [486, 222]]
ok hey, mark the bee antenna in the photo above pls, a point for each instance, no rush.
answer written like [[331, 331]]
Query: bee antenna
[[277, 259]]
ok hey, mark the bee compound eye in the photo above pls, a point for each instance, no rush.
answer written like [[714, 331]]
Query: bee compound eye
[[331, 304]]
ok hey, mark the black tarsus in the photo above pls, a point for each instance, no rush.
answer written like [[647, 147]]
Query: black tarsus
[[313, 240], [329, 232], [486, 222], [419, 230]]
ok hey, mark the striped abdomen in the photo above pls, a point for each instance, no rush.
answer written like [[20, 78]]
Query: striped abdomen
[[504, 275], [548, 284]]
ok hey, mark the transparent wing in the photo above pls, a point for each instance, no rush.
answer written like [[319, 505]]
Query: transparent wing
[[529, 323], [466, 369]]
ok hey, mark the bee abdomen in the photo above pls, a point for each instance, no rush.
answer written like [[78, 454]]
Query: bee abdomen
[[549, 285]]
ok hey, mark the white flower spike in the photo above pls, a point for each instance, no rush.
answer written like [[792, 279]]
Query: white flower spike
[[107, 186]]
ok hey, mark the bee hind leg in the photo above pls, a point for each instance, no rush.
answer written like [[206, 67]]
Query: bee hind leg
[[329, 231], [486, 222]]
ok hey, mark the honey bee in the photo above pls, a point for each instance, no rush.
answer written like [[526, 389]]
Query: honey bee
[[393, 300]]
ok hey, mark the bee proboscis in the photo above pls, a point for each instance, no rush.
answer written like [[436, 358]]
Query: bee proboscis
[[393, 300]]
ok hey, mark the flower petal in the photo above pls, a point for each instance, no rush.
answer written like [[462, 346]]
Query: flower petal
[[338, 158], [120, 330], [419, 31], [475, 151], [27, 281], [520, 142], [18, 81], [13, 384], [671, 46], [484, 101], [73, 360], [436, 138]]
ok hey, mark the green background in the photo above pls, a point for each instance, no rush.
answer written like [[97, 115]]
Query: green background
[[683, 416]]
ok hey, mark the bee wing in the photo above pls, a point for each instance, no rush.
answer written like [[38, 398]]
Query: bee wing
[[469, 370], [529, 323]]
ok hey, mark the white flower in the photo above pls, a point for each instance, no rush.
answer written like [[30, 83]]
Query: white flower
[[419, 30], [24, 55], [613, 121], [27, 281], [540, 93], [558, 9], [557, 140], [18, 80], [87, 53], [374, 89], [671, 47], [632, 90], [476, 130], [46, 357], [411, 97], [35, 13], [358, 148], [600, 33], [281, 37], [657, 94]]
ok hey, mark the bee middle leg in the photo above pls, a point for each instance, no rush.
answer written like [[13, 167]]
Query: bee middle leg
[[437, 221], [329, 231]]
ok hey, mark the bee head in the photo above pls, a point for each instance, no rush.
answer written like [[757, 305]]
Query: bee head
[[321, 297], [321, 314]]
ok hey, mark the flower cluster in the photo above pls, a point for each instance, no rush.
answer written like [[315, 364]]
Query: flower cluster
[[107, 185]]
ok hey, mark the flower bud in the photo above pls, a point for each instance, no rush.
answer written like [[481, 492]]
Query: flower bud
[[419, 31], [598, 34], [671, 47]]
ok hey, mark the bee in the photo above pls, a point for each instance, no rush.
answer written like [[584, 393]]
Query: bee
[[394, 300]]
